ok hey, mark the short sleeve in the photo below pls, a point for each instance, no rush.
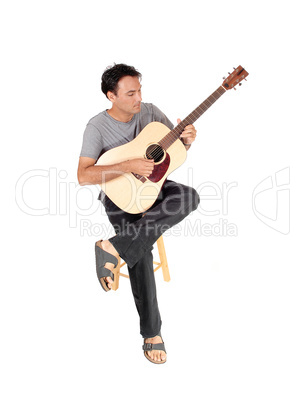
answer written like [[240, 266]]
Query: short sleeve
[[158, 115], [92, 143]]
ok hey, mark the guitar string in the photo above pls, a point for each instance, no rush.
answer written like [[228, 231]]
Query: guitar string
[[175, 134], [171, 138], [204, 106]]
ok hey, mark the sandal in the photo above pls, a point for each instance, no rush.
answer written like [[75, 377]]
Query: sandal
[[102, 257], [147, 347]]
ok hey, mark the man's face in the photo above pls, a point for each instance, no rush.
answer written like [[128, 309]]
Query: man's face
[[128, 98]]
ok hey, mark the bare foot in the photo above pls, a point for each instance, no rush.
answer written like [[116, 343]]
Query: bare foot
[[108, 246], [156, 355]]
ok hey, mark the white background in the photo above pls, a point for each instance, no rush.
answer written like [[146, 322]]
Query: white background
[[233, 311]]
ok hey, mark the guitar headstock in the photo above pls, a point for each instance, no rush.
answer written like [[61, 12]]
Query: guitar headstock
[[238, 75]]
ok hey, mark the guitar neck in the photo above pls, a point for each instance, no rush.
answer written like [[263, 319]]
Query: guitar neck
[[174, 135]]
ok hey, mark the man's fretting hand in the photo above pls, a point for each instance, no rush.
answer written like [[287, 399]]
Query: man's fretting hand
[[188, 135]]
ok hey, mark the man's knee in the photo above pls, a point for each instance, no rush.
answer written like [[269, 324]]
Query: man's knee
[[187, 198], [191, 198], [194, 199]]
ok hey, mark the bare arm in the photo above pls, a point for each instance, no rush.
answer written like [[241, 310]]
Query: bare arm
[[89, 173]]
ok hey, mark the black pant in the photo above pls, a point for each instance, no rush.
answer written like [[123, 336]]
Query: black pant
[[135, 236]]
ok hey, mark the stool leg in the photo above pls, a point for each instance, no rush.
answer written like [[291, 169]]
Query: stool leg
[[163, 264], [116, 271], [163, 258]]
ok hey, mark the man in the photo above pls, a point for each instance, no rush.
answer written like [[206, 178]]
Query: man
[[135, 233]]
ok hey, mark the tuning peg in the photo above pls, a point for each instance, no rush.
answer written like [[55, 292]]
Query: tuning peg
[[234, 88], [233, 68], [224, 78], [240, 84], [229, 73]]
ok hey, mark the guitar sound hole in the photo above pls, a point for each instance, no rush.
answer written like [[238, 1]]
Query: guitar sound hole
[[155, 152]]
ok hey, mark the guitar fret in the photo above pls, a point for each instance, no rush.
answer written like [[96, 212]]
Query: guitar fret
[[174, 134]]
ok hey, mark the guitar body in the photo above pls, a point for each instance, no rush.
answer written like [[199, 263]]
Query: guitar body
[[135, 194]]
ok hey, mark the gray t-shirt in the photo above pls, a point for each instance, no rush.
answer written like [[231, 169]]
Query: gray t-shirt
[[103, 132]]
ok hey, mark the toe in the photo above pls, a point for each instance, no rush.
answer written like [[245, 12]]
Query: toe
[[157, 357], [109, 282]]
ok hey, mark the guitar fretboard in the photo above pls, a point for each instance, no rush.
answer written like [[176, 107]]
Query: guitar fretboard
[[173, 135]]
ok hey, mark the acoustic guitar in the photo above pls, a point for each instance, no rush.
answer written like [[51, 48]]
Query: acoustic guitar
[[134, 193]]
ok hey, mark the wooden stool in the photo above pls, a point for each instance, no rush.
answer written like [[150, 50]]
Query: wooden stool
[[162, 264]]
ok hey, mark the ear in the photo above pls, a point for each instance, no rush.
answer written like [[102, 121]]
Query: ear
[[111, 96]]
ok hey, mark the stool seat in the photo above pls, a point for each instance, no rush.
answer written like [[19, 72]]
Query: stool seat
[[163, 264]]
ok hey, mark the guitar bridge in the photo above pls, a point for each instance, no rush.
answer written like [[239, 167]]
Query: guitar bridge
[[139, 177]]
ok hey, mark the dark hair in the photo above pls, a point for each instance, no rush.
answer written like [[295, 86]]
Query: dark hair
[[111, 76]]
